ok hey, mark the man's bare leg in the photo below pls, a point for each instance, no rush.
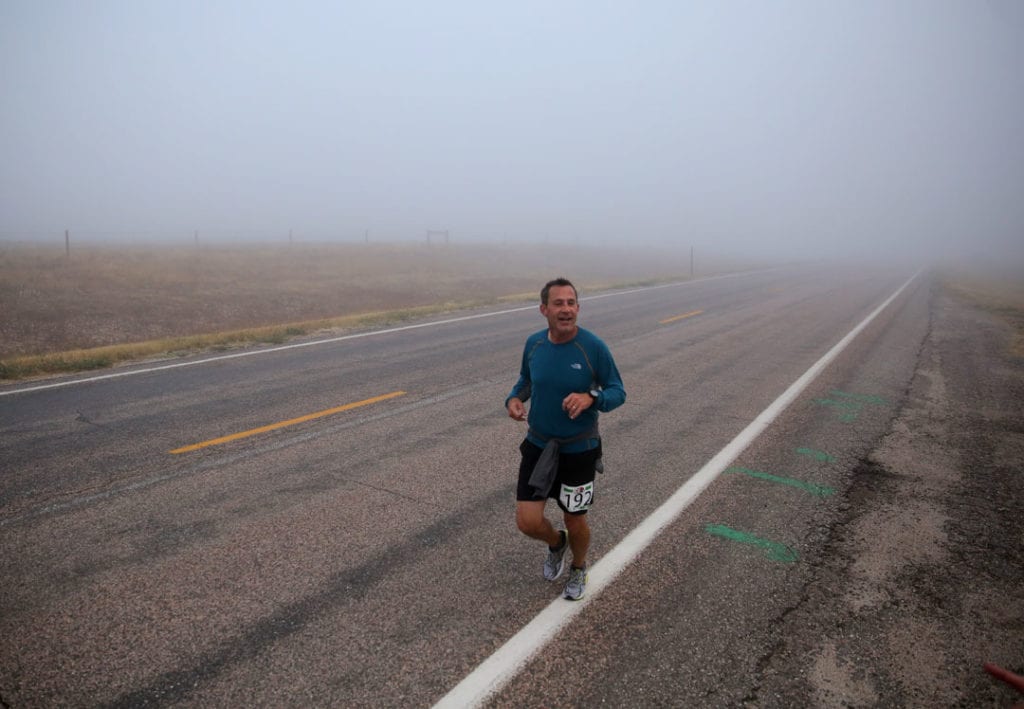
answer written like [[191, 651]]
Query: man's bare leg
[[579, 538], [531, 521]]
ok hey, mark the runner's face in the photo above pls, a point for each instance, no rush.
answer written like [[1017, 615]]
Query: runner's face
[[561, 311]]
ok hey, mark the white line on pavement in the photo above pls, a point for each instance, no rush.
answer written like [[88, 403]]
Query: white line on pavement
[[341, 338], [496, 671]]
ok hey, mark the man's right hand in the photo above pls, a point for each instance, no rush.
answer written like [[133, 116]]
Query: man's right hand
[[516, 409]]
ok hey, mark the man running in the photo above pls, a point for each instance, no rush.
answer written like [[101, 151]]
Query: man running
[[570, 375]]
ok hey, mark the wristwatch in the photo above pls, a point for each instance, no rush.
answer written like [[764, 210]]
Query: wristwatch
[[596, 393]]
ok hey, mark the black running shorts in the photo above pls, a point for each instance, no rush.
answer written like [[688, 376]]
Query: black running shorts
[[575, 470]]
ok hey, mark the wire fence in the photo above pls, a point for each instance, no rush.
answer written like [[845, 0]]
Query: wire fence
[[69, 238], [209, 236]]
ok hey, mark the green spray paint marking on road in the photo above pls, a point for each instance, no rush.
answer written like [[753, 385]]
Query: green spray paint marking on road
[[849, 405], [774, 550], [862, 398], [848, 410], [839, 404], [819, 490], [817, 455]]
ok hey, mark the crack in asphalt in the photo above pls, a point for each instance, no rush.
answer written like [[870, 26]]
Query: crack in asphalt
[[866, 477], [418, 500], [82, 418]]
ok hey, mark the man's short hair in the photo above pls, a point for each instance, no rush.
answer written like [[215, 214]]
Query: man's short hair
[[556, 282]]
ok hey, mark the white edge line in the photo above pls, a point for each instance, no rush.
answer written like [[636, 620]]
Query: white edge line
[[498, 669], [251, 353], [341, 338]]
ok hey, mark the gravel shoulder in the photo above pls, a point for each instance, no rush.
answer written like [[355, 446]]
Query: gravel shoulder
[[923, 582]]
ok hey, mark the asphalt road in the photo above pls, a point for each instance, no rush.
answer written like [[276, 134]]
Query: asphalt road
[[332, 524]]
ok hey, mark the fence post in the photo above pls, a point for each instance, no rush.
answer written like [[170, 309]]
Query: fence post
[[67, 244]]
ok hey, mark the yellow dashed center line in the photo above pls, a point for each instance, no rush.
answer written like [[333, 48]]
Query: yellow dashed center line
[[289, 422], [680, 317]]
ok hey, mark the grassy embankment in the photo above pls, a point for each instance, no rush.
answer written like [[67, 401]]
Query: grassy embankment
[[107, 305]]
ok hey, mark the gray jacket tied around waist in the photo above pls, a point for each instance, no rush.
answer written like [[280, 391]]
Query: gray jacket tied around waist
[[546, 468]]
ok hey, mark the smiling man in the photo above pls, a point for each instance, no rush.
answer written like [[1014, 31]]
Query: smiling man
[[568, 375]]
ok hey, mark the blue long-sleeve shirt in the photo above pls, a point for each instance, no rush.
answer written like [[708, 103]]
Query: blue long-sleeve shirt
[[550, 372]]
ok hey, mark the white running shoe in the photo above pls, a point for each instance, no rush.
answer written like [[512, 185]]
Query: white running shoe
[[554, 565], [576, 586]]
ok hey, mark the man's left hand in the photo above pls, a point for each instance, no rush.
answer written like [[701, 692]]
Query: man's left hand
[[575, 404]]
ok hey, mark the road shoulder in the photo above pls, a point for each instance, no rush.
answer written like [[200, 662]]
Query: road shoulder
[[924, 580]]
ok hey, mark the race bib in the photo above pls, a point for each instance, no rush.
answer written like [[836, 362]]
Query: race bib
[[576, 498]]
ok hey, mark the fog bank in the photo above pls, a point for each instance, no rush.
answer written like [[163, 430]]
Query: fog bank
[[791, 130]]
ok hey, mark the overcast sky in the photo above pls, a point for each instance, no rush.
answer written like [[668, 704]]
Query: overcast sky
[[764, 125]]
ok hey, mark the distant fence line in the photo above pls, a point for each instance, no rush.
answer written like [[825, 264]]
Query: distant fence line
[[211, 236], [68, 238]]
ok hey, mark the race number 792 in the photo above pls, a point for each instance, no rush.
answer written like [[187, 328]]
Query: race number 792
[[576, 498]]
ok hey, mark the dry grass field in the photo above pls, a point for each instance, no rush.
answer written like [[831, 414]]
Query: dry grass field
[[106, 304]]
